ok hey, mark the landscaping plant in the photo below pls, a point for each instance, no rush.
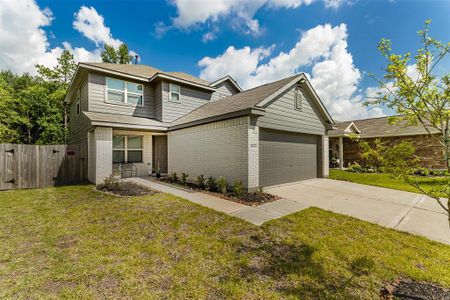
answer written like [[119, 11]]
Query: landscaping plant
[[201, 181], [173, 177], [211, 184], [184, 176], [238, 189], [355, 168], [222, 184], [419, 96]]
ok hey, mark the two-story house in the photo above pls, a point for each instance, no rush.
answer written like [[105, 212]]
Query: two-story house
[[174, 122]]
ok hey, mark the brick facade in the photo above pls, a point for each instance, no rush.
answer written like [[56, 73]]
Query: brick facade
[[427, 149], [216, 149]]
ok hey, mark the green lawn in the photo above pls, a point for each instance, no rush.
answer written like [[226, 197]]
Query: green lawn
[[73, 242], [384, 180]]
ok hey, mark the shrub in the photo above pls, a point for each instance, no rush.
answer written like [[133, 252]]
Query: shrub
[[222, 184], [355, 168], [211, 184], [372, 153], [184, 176], [201, 181], [238, 190], [112, 183], [173, 177], [422, 171], [260, 190]]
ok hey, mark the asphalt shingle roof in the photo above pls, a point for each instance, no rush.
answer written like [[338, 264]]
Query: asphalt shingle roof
[[145, 71], [380, 127], [237, 102]]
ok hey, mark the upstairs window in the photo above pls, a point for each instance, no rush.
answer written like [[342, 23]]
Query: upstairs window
[[120, 91], [78, 108], [174, 91], [127, 149], [298, 98]]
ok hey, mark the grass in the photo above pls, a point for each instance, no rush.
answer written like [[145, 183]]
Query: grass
[[74, 242], [385, 180]]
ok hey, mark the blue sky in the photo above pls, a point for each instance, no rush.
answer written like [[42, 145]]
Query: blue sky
[[334, 41]]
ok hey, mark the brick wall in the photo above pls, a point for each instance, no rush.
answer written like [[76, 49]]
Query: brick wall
[[427, 149], [214, 149], [103, 153]]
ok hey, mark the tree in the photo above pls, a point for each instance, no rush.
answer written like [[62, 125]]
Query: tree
[[372, 154], [119, 56], [419, 97], [59, 79], [109, 55]]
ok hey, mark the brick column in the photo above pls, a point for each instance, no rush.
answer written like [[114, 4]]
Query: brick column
[[325, 156], [341, 153], [103, 155], [253, 155]]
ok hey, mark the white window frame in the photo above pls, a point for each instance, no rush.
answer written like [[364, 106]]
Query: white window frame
[[125, 147], [298, 99], [177, 93], [78, 106], [125, 82]]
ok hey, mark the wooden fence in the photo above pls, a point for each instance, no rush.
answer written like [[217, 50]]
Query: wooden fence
[[35, 166]]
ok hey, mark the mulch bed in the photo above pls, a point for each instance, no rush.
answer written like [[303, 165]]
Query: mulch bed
[[250, 199], [414, 290], [127, 189]]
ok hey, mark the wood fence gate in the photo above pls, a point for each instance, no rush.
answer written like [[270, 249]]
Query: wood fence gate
[[35, 166]]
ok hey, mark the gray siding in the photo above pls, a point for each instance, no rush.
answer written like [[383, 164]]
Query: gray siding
[[190, 99], [281, 115], [98, 102], [224, 89], [158, 101], [78, 125]]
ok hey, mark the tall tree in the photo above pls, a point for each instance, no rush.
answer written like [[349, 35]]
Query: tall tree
[[419, 96], [59, 77], [119, 56], [109, 55]]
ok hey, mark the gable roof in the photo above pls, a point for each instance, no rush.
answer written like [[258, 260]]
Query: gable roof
[[246, 102], [146, 73], [380, 127], [229, 79]]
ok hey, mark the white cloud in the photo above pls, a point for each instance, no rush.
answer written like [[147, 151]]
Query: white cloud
[[240, 63], [91, 25], [323, 49], [194, 13], [24, 42]]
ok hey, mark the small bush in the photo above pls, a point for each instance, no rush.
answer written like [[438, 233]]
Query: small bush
[[184, 176], [422, 171], [222, 184], [211, 184], [355, 168], [201, 181], [259, 190], [238, 190], [112, 183], [173, 177]]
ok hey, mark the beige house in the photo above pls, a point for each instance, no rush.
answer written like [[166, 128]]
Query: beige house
[[344, 150], [135, 120]]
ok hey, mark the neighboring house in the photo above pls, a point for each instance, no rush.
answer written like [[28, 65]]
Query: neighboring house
[[171, 121], [345, 150]]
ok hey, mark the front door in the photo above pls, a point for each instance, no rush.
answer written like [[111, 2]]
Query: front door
[[160, 153]]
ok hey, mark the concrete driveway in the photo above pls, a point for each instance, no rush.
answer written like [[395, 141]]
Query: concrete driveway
[[400, 210]]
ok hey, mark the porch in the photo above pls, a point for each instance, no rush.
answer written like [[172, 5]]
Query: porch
[[125, 146]]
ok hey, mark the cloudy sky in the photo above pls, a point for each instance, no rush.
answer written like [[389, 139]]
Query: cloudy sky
[[255, 41]]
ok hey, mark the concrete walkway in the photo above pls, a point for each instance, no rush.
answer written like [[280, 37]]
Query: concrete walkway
[[399, 210], [255, 215]]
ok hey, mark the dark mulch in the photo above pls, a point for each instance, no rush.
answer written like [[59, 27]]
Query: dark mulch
[[414, 290], [251, 199], [127, 189]]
